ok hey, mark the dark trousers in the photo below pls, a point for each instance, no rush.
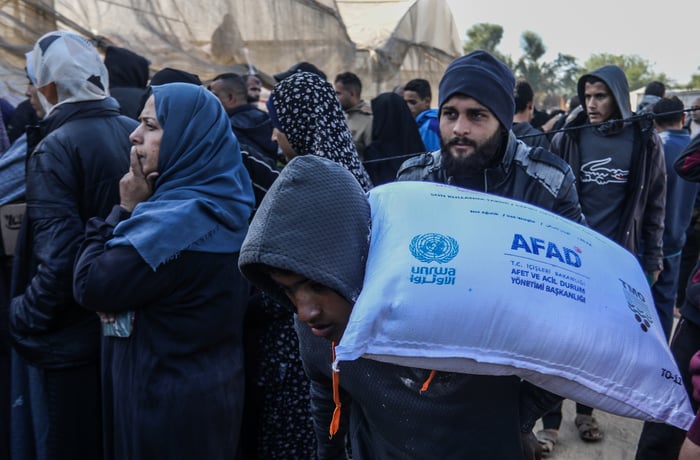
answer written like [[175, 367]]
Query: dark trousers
[[664, 292], [659, 441], [55, 413], [552, 419]]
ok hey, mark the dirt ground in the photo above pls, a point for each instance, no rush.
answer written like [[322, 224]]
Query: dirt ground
[[619, 443]]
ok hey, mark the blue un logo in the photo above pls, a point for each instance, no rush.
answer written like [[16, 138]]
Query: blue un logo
[[434, 247]]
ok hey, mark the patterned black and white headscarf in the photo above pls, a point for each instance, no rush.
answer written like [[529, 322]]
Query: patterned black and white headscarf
[[71, 62], [305, 108]]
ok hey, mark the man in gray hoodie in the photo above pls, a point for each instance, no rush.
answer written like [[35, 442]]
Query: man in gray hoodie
[[307, 247], [621, 179]]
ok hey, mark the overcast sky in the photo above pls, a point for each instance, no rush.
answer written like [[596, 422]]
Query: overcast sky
[[668, 38]]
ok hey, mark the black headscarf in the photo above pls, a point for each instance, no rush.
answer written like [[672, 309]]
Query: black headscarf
[[165, 76], [126, 68], [394, 133]]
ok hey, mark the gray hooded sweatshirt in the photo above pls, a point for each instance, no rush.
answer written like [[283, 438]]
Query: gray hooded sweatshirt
[[620, 172]]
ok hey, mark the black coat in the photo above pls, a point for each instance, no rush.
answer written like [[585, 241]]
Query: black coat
[[253, 127], [394, 135], [531, 175], [72, 174], [174, 388]]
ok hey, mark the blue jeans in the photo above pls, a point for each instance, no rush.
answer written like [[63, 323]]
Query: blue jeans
[[664, 292]]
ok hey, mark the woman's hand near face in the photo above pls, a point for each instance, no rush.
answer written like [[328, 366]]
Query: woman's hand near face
[[134, 186]]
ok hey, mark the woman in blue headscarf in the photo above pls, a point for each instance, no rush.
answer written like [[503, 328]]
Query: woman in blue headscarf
[[161, 270]]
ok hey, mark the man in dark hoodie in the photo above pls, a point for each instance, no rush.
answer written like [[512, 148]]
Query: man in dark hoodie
[[307, 247], [251, 125], [524, 111], [621, 179]]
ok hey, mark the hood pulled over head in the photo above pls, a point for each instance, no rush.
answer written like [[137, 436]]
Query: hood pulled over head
[[616, 81], [314, 221]]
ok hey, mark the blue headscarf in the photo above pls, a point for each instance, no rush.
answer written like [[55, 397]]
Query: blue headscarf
[[203, 196]]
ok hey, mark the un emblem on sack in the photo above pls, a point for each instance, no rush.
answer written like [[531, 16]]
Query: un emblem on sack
[[433, 247]]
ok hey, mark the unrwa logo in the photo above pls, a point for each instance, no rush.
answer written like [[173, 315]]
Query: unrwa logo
[[434, 247]]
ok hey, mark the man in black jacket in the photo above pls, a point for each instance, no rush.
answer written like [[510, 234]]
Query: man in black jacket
[[251, 125], [79, 151], [479, 150]]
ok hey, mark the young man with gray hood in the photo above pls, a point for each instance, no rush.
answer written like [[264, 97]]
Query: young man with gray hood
[[307, 246], [621, 179]]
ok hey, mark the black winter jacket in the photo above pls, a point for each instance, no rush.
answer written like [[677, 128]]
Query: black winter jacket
[[531, 175], [253, 127], [72, 174]]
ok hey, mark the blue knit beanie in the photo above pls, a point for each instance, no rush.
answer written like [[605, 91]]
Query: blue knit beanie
[[486, 79]]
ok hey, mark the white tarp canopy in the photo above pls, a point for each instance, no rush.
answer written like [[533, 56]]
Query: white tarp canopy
[[385, 42]]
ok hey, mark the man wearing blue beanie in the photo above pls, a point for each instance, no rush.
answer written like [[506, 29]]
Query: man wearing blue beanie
[[480, 152]]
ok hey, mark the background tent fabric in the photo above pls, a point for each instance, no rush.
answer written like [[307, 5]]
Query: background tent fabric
[[386, 43]]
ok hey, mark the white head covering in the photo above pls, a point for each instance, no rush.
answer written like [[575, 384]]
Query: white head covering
[[73, 64]]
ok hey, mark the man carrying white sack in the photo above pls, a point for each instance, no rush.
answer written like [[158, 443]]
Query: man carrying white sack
[[479, 150], [307, 246]]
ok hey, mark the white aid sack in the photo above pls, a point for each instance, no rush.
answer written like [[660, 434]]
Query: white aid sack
[[468, 282]]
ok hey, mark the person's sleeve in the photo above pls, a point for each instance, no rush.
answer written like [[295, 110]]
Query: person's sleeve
[[262, 175], [543, 141], [555, 146], [12, 174], [56, 232], [654, 212], [116, 279], [534, 403], [694, 430], [568, 204], [322, 407], [687, 165]]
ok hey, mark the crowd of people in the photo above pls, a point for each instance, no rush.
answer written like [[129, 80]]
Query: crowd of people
[[188, 256]]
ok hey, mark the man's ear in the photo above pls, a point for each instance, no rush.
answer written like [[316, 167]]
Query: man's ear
[[50, 93], [231, 98]]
